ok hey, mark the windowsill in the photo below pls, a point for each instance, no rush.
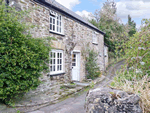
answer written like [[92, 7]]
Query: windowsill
[[55, 74], [94, 43], [57, 33]]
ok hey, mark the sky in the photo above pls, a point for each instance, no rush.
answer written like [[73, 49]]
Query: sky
[[137, 9]]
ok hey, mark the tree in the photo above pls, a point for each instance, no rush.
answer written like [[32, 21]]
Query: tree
[[132, 26], [106, 20]]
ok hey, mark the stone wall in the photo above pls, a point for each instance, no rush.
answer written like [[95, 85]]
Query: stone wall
[[75, 34], [107, 100]]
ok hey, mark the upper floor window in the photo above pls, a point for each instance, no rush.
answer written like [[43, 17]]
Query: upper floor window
[[56, 22], [95, 41]]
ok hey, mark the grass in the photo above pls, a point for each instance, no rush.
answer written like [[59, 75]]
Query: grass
[[139, 87]]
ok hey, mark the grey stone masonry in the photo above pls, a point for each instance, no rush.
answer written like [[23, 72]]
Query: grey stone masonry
[[76, 36], [106, 100]]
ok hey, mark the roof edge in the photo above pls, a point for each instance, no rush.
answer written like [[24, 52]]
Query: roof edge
[[43, 2]]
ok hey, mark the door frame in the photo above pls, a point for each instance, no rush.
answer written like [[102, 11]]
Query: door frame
[[79, 59]]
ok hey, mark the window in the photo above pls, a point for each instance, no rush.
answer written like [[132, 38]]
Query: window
[[55, 22], [56, 61], [94, 38]]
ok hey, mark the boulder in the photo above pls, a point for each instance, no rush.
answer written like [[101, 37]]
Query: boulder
[[107, 100]]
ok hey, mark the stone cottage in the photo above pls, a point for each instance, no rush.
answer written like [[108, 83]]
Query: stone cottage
[[73, 36]]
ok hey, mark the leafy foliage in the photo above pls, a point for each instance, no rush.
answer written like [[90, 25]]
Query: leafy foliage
[[92, 66], [22, 58], [106, 20], [132, 26], [136, 75]]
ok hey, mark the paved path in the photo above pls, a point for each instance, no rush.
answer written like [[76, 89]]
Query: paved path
[[76, 104]]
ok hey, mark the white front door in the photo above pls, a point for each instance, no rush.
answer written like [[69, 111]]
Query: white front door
[[76, 66]]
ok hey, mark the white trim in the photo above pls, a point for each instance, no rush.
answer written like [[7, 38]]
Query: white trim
[[78, 53], [56, 62], [94, 38], [55, 17]]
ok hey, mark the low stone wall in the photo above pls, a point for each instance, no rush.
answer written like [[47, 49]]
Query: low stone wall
[[106, 100]]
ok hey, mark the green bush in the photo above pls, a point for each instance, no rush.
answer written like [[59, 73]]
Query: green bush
[[91, 65], [135, 76], [22, 58]]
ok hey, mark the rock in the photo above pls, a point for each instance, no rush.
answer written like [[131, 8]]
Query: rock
[[107, 100], [69, 86]]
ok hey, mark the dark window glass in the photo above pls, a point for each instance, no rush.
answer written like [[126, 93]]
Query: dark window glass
[[57, 61], [53, 61], [57, 55], [50, 68], [50, 26], [73, 64], [53, 21], [60, 67], [60, 61], [57, 67], [54, 55], [53, 68], [50, 20], [53, 27]]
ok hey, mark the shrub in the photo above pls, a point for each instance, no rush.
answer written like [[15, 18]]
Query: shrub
[[136, 75], [91, 65], [22, 58]]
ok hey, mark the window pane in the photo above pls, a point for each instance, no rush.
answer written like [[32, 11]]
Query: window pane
[[73, 64], [60, 67], [57, 22], [50, 26], [74, 60], [60, 55], [50, 68], [53, 27], [53, 68], [60, 30], [57, 67], [51, 54], [53, 61], [50, 20], [60, 23], [54, 55], [57, 55], [57, 61], [60, 17], [57, 28], [60, 61], [53, 21]]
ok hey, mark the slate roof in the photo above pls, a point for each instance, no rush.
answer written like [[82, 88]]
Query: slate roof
[[57, 6]]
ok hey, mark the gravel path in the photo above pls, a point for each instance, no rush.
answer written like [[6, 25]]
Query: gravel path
[[76, 104]]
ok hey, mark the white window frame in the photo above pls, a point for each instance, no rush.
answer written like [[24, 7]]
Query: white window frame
[[58, 25], [56, 63], [94, 39]]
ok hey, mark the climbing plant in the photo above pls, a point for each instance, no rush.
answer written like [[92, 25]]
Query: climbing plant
[[91, 65]]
